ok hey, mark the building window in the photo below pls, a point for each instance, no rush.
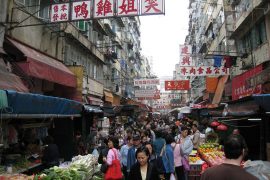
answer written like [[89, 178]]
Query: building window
[[254, 38]]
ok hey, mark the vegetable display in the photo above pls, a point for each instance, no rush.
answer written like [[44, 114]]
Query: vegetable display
[[80, 168]]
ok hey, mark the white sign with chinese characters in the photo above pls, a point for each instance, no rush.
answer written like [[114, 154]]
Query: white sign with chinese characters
[[146, 93], [186, 60], [103, 8], [152, 7], [185, 49], [60, 12], [81, 10], [127, 7], [146, 82], [202, 71]]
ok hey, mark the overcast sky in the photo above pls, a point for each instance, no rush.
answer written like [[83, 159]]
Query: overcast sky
[[162, 34]]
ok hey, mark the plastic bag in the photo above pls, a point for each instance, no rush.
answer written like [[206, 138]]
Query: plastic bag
[[260, 169], [172, 177], [95, 152]]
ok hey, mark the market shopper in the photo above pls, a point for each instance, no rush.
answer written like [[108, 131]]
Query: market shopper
[[124, 155], [51, 155], [159, 142], [234, 149], [196, 136], [131, 158], [143, 169], [155, 160], [179, 171], [168, 157]]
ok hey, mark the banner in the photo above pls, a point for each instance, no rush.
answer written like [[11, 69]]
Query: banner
[[239, 85], [94, 9], [177, 85], [186, 60], [146, 82], [203, 71], [149, 93]]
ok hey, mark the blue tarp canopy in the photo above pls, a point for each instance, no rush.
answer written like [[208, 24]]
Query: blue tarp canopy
[[263, 100], [36, 104]]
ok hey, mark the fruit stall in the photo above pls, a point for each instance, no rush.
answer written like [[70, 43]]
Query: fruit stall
[[211, 153], [195, 163]]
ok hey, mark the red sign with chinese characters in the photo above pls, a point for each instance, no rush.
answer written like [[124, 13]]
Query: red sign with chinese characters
[[59, 12], [177, 85], [239, 86], [81, 10]]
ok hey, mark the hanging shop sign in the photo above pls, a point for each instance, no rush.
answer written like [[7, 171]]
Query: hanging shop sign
[[203, 71], [146, 82], [185, 49], [185, 58], [177, 85], [60, 12], [240, 87], [148, 93], [86, 10]]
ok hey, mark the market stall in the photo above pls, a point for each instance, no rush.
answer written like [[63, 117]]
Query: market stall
[[26, 121]]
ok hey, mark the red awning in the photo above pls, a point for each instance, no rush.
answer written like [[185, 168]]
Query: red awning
[[42, 66], [9, 81]]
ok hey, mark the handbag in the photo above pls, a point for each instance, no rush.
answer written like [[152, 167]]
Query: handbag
[[185, 163], [114, 170]]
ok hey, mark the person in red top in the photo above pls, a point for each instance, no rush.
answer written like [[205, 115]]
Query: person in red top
[[234, 149]]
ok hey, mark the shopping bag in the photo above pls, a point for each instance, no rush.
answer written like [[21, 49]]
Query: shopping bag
[[172, 177], [114, 171], [185, 163]]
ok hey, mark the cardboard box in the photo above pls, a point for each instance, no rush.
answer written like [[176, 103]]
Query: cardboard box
[[268, 151]]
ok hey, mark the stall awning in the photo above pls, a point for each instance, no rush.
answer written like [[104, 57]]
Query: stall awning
[[94, 101], [92, 109], [108, 111], [40, 106], [243, 107], [42, 66], [263, 100], [108, 96], [9, 81]]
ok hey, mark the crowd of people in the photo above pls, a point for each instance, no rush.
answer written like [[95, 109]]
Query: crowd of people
[[155, 149], [159, 149]]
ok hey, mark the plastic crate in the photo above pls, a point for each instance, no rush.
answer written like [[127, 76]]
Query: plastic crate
[[195, 172]]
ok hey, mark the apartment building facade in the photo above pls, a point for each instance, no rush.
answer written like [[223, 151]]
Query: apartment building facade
[[238, 29], [91, 61]]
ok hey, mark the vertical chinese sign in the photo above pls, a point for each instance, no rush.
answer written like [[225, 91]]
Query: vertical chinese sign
[[127, 8], [60, 12], [152, 7], [103, 8], [81, 10], [185, 52]]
